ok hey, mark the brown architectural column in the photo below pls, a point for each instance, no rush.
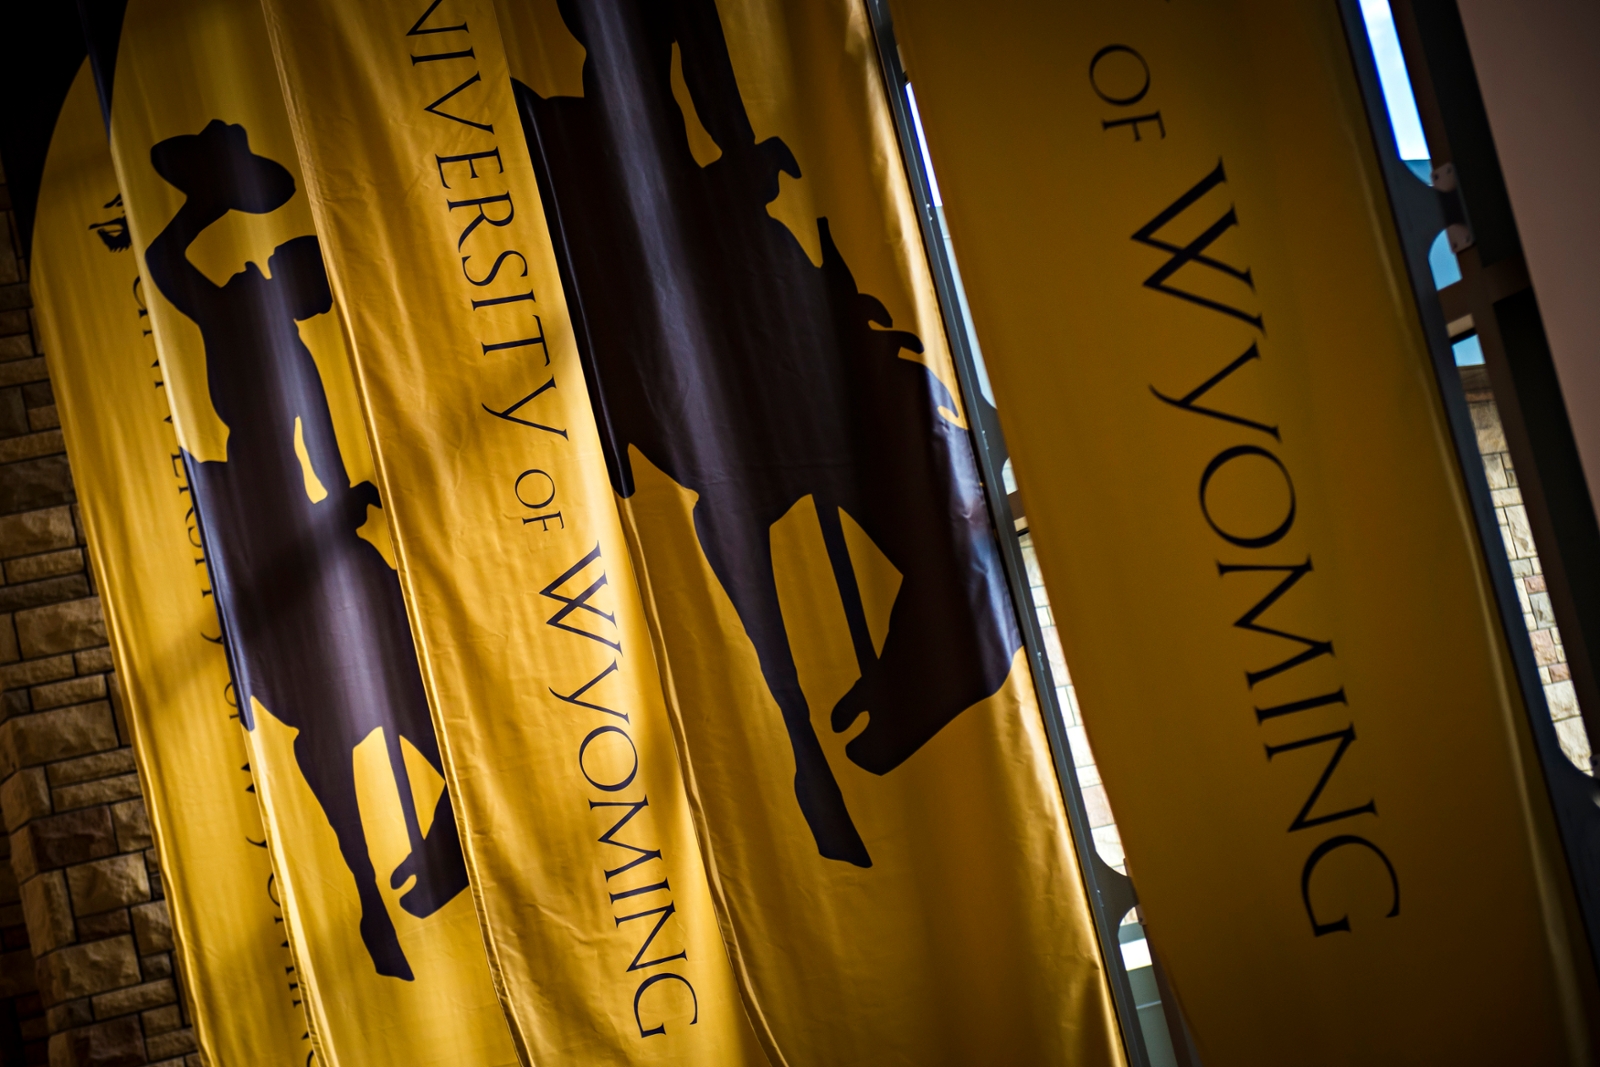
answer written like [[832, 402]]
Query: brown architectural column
[[97, 956]]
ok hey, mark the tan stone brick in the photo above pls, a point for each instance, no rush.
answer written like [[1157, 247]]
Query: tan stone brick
[[157, 966], [33, 532], [1486, 420], [132, 824], [84, 970], [173, 1044], [69, 1014], [106, 924], [1097, 807], [23, 796], [101, 885], [1108, 843], [95, 661], [86, 768], [1494, 466], [1543, 611], [9, 890], [45, 565], [36, 671], [162, 1020], [47, 910], [16, 345], [63, 627], [152, 927], [1505, 498], [135, 998], [100, 791], [14, 372], [1519, 536], [30, 446], [1575, 742], [45, 591], [62, 840], [43, 418], [29, 740], [118, 1043], [10, 652], [23, 863], [1563, 700], [72, 691], [36, 483]]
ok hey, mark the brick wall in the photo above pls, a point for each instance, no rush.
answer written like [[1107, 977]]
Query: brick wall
[[1537, 614], [86, 965]]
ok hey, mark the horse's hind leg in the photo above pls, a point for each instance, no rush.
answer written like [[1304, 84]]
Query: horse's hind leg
[[744, 566], [436, 858], [331, 776]]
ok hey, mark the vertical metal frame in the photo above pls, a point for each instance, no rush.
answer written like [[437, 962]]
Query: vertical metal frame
[[1496, 292], [1419, 217], [1111, 894]]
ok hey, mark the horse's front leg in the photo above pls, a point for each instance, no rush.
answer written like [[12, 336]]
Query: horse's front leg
[[331, 776], [742, 559]]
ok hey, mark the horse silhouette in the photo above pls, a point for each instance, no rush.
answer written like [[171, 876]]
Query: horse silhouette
[[315, 622], [747, 374]]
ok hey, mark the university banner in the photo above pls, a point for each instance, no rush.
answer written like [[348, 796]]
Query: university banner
[[1252, 522], [155, 591], [556, 742], [883, 828], [341, 742]]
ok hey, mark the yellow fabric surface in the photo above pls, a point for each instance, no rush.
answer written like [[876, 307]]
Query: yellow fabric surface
[[592, 893], [1253, 526], [179, 68], [133, 492], [968, 939]]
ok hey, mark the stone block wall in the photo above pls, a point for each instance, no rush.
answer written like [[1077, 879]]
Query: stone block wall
[[86, 965], [1537, 613]]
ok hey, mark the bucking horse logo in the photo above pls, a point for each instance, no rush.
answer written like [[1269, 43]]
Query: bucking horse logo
[[749, 375]]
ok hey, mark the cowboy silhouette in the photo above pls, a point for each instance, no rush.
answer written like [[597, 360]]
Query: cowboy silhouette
[[749, 375], [315, 622]]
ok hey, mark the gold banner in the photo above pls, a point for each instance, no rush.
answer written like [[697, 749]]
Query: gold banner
[[385, 938], [583, 856], [173, 671], [1262, 559], [882, 823]]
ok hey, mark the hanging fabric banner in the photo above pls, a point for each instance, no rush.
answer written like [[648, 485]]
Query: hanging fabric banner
[[385, 937], [1252, 522], [557, 746], [883, 827], [156, 595]]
